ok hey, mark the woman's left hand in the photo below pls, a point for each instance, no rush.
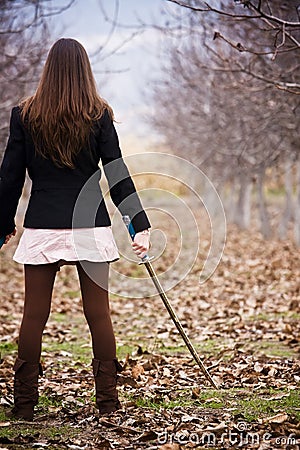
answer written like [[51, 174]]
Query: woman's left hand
[[141, 243]]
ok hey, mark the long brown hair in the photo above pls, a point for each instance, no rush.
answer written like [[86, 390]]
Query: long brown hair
[[61, 113]]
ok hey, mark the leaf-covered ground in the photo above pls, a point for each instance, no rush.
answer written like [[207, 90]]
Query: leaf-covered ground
[[244, 323]]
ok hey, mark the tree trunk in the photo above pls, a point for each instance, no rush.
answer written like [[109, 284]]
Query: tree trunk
[[297, 209], [265, 226], [243, 205], [288, 208]]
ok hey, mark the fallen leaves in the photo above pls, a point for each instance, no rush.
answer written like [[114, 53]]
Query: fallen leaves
[[244, 323]]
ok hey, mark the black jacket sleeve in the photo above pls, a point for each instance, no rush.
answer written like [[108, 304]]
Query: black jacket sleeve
[[12, 174], [122, 189]]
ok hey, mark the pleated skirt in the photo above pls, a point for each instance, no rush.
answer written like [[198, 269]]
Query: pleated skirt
[[44, 246]]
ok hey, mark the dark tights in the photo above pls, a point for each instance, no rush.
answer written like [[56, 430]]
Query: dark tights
[[39, 281]]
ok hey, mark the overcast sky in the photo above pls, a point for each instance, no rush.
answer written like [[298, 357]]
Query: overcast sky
[[123, 78]]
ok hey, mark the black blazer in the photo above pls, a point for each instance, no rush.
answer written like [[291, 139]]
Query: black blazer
[[63, 197]]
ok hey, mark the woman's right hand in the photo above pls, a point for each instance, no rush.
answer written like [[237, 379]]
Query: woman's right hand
[[141, 243], [9, 236]]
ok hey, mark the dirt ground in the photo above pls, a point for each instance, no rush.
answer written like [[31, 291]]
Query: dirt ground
[[243, 321]]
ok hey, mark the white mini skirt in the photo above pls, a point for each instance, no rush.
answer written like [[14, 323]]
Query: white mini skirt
[[44, 246]]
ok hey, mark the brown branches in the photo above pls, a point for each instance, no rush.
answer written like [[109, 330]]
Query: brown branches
[[19, 18], [246, 3], [266, 32], [256, 12], [24, 39], [270, 17]]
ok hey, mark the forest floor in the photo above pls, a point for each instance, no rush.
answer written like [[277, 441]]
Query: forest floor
[[243, 321]]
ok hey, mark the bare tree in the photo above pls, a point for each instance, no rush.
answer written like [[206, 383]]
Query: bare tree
[[24, 38], [236, 126], [277, 33], [228, 100], [297, 206]]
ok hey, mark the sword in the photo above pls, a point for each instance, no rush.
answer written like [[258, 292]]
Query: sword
[[163, 296]]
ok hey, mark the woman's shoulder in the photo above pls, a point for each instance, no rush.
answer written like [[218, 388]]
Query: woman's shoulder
[[17, 121], [22, 107], [15, 116], [16, 113], [103, 123], [16, 110], [104, 118]]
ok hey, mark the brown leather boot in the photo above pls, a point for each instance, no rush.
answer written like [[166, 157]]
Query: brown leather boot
[[105, 374], [25, 389]]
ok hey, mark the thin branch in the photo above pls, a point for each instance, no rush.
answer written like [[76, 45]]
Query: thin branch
[[290, 36], [37, 17], [267, 18], [211, 9], [291, 87], [122, 44], [270, 17], [241, 47], [113, 23], [56, 11]]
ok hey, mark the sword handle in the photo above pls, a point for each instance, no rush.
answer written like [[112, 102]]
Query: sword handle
[[129, 226], [132, 233], [2, 240]]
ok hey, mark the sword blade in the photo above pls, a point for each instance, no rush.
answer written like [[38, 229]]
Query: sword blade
[[176, 321]]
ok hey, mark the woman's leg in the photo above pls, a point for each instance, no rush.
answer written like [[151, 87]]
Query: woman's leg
[[94, 289], [38, 292], [39, 280]]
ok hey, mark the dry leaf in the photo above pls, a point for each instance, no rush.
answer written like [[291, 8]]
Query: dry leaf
[[5, 424], [137, 370], [213, 400], [169, 447], [279, 418]]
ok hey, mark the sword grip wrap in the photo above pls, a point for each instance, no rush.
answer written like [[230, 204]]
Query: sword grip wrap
[[131, 230]]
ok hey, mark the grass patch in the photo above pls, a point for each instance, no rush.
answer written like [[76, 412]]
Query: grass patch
[[77, 350], [124, 350], [72, 294], [8, 348], [39, 432], [250, 405], [213, 399], [45, 402], [210, 347], [138, 271], [274, 349], [254, 405], [75, 342], [292, 315], [68, 320], [58, 432], [159, 403], [3, 417], [258, 405], [59, 317]]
